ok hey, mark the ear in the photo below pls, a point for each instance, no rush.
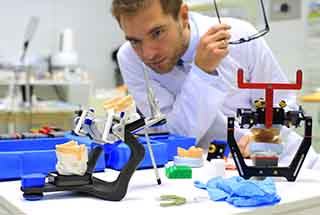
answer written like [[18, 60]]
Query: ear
[[184, 15]]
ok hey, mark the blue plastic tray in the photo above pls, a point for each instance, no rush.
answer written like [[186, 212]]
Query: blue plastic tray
[[164, 148], [174, 141], [26, 156], [117, 158]]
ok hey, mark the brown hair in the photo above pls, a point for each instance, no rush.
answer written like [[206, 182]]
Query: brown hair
[[131, 7]]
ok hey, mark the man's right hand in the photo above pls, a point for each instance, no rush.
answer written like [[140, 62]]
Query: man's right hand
[[213, 47]]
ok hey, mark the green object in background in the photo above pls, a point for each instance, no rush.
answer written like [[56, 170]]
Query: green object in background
[[176, 172], [314, 10]]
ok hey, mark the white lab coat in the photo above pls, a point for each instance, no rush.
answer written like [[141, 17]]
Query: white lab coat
[[196, 103]]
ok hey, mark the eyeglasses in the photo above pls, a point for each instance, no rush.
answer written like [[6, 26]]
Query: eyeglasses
[[260, 33]]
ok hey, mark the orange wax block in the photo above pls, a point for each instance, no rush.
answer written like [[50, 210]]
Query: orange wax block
[[119, 104], [72, 148], [124, 103], [192, 152], [110, 103]]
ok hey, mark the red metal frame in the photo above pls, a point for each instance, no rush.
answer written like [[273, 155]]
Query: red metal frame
[[269, 88]]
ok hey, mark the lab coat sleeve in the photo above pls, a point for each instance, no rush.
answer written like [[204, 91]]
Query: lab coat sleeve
[[190, 112]]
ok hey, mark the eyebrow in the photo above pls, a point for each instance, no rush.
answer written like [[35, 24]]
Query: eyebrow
[[150, 32], [132, 38]]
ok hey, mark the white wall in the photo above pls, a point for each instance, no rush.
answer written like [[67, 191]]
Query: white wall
[[288, 40], [96, 33]]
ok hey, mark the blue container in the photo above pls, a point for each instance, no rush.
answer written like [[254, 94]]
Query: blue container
[[27, 156], [33, 180], [117, 158], [164, 148], [80, 139], [173, 142], [10, 165]]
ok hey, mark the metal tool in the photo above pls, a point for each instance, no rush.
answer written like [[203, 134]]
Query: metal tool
[[156, 117], [28, 36], [29, 33]]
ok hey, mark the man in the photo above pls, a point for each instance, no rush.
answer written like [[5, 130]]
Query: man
[[192, 67]]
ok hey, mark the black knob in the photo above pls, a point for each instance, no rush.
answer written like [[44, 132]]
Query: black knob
[[284, 8]]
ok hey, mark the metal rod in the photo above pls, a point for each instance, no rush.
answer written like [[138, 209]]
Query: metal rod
[[217, 11], [29, 33], [154, 111], [155, 168]]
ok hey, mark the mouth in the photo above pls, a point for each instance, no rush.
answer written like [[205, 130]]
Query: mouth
[[158, 63]]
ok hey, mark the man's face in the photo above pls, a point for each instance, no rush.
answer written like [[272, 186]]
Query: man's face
[[157, 38]]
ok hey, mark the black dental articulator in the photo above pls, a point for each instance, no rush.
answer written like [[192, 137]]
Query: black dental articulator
[[88, 184], [116, 128], [265, 122]]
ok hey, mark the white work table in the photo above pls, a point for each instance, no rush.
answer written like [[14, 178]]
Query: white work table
[[143, 195]]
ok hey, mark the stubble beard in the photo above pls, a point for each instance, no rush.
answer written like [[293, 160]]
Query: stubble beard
[[180, 48]]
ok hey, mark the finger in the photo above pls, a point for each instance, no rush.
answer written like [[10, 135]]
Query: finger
[[243, 144], [219, 47], [220, 40], [217, 28], [223, 44], [221, 52], [221, 35]]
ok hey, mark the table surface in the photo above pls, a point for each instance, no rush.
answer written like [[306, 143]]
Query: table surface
[[143, 195]]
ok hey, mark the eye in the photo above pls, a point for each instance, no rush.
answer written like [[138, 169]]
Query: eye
[[157, 33], [134, 43]]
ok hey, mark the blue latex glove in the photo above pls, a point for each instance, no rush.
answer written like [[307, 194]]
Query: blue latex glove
[[240, 192]]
